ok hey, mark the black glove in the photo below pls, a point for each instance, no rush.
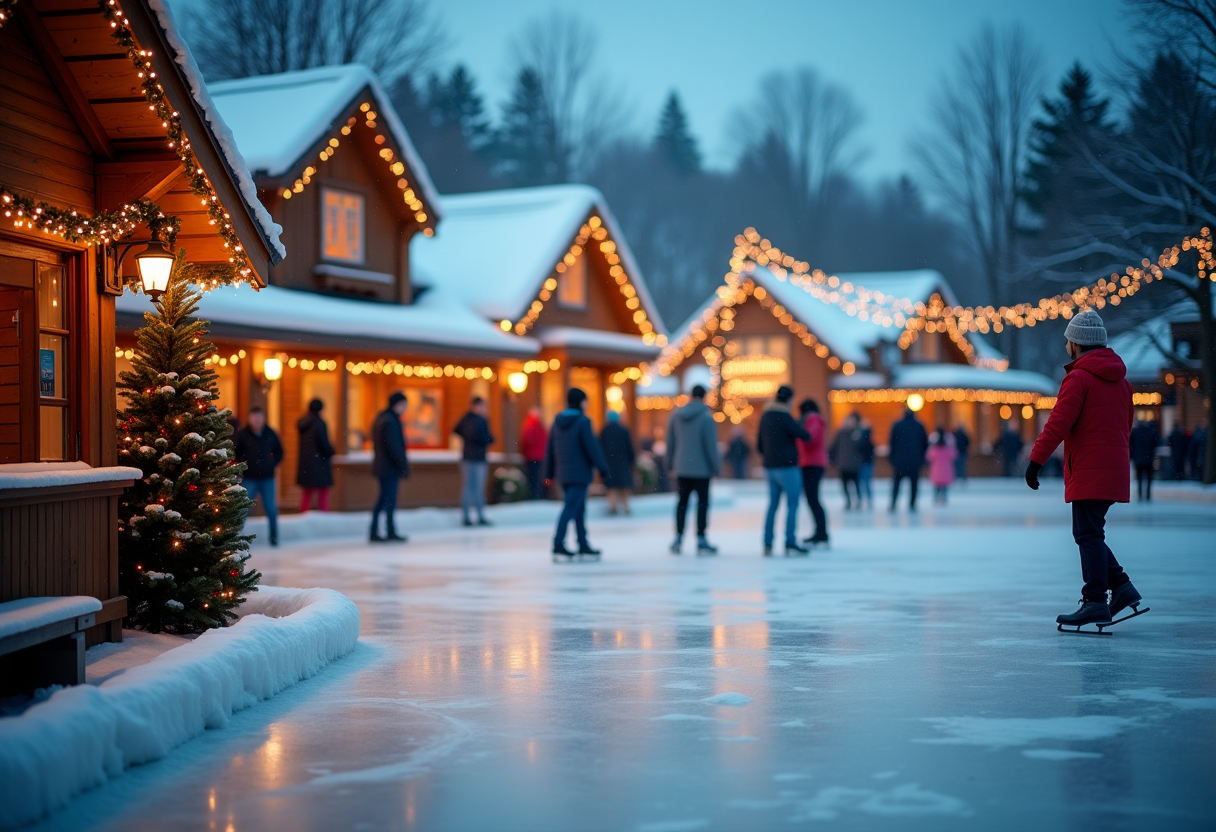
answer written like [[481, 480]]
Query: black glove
[[1032, 475]]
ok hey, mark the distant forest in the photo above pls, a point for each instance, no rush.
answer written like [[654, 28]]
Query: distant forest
[[1024, 186]]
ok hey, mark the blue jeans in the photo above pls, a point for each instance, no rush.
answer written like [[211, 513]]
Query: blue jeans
[[865, 483], [786, 481], [386, 502], [574, 508], [474, 493], [265, 487]]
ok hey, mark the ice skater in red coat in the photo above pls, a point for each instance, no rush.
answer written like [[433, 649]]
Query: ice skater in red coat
[[1093, 418]]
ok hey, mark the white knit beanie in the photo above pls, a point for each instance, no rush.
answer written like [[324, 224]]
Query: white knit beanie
[[1086, 329]]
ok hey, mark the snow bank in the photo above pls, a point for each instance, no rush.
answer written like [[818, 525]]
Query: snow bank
[[48, 474], [27, 614], [82, 736]]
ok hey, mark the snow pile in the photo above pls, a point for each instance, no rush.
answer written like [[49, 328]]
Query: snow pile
[[82, 736], [49, 474], [27, 614]]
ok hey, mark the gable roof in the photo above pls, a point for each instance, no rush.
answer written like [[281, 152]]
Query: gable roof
[[276, 119], [516, 237]]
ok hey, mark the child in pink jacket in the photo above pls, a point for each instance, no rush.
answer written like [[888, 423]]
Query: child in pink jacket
[[941, 456]]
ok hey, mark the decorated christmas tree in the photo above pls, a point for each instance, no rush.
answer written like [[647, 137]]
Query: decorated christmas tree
[[182, 557]]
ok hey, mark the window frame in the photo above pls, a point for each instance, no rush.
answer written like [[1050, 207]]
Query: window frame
[[322, 211]]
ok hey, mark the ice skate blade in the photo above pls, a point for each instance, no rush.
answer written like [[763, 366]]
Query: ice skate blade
[[1135, 611], [1075, 629]]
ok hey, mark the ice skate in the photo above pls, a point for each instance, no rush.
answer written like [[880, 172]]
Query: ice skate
[[705, 548], [674, 548], [561, 554], [1090, 612], [586, 552], [794, 550], [1122, 598]]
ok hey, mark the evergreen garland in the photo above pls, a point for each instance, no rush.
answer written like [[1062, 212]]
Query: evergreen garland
[[101, 228], [182, 557]]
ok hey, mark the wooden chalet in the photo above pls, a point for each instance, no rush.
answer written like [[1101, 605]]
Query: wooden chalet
[[749, 339], [1163, 367], [82, 129]]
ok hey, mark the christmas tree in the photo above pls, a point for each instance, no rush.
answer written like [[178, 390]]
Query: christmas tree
[[182, 557]]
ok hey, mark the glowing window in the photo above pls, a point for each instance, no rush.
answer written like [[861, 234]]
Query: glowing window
[[572, 285], [342, 226]]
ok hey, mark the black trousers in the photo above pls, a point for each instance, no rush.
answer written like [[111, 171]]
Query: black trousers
[[386, 502], [1144, 481], [1099, 569], [686, 487], [812, 476], [898, 476], [851, 478], [536, 483]]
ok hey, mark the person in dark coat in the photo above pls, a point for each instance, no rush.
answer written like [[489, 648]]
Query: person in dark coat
[[846, 456], [315, 473], [909, 442], [962, 444], [1011, 444], [474, 429], [1142, 446], [777, 443], [617, 443], [1179, 443], [572, 459], [738, 452], [258, 446], [865, 475], [692, 455], [1197, 453], [390, 465], [1093, 418]]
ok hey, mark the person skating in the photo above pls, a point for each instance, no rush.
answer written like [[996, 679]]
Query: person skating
[[865, 474], [962, 445], [258, 446], [1197, 453], [474, 431], [1179, 442], [813, 461], [846, 456], [1093, 418], [909, 441], [390, 465], [776, 442], [572, 458], [1011, 445], [533, 440], [1142, 445], [941, 456], [692, 455], [738, 453], [617, 444], [315, 474]]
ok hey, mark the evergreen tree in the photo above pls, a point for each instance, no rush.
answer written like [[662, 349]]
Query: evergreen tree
[[458, 103], [182, 557], [674, 142], [525, 145]]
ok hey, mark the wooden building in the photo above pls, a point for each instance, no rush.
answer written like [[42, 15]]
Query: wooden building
[[97, 110], [750, 338], [336, 169]]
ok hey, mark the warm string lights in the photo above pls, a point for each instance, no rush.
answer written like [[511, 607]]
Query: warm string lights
[[397, 368], [593, 232], [390, 156], [101, 228], [942, 394]]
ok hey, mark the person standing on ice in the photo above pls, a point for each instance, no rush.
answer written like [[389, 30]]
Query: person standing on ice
[[617, 444], [258, 446], [846, 456], [777, 443], [1143, 446], [941, 456], [1093, 418], [474, 431], [533, 440], [315, 473], [390, 465], [909, 442], [813, 461], [572, 459], [692, 455]]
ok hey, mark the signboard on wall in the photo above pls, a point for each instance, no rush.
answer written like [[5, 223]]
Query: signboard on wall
[[754, 367], [423, 419]]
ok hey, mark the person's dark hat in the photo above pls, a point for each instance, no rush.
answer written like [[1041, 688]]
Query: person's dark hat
[[396, 398], [575, 398], [315, 406], [808, 406], [698, 391], [785, 393]]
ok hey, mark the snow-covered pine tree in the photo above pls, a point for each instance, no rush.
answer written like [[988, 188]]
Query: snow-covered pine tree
[[182, 557]]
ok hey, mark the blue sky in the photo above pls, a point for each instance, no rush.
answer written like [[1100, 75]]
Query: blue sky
[[889, 54]]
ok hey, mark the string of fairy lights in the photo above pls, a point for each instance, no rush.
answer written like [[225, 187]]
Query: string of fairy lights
[[592, 232], [390, 156], [110, 226]]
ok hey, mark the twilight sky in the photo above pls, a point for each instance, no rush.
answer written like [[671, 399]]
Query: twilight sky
[[888, 53]]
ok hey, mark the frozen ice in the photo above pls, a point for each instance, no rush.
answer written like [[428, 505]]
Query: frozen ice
[[909, 678]]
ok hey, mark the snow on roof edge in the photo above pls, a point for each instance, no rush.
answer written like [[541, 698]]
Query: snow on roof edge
[[222, 136]]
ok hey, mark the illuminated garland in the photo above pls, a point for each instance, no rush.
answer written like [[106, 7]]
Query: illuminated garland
[[395, 165], [593, 231], [101, 228], [942, 394]]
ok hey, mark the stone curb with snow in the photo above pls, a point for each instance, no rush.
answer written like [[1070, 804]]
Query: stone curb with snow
[[80, 737]]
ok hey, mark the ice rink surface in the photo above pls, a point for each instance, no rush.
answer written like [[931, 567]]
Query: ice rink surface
[[909, 678]]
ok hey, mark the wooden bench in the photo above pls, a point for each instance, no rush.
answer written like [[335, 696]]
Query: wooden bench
[[42, 641]]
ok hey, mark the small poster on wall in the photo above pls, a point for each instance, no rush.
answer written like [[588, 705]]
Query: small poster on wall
[[424, 417], [46, 365]]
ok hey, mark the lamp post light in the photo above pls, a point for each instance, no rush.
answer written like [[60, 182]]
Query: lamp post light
[[155, 263], [518, 382], [272, 369]]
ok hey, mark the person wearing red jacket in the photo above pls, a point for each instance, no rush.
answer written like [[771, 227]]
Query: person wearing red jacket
[[533, 440], [1093, 418], [813, 460]]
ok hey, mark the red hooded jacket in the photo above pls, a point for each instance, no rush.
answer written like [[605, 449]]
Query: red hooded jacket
[[1093, 418], [533, 440], [815, 451]]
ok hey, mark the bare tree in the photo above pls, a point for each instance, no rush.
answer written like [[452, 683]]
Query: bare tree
[[975, 156], [585, 115], [393, 37], [801, 128]]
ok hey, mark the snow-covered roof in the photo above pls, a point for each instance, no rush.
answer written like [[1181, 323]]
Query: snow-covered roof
[[436, 322], [573, 337], [968, 377], [220, 132], [497, 248], [276, 119], [1139, 351]]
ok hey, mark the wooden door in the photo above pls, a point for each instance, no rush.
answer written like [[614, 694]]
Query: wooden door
[[18, 385]]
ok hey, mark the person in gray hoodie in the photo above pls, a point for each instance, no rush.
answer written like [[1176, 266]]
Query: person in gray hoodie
[[692, 454]]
